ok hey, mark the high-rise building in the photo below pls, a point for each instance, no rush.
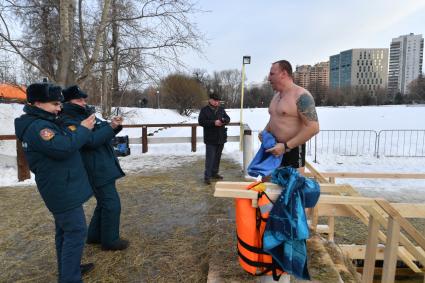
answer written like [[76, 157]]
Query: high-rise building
[[308, 76], [406, 55], [362, 68]]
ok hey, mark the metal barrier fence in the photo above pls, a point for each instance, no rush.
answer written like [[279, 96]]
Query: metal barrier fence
[[401, 143], [385, 143]]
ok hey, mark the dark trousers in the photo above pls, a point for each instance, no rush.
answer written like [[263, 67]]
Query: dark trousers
[[104, 226], [71, 232], [212, 159]]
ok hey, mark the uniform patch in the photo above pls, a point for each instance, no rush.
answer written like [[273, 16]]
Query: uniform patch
[[72, 127], [47, 134]]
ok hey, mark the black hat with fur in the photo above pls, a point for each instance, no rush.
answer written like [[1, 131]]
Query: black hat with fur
[[73, 92], [44, 92]]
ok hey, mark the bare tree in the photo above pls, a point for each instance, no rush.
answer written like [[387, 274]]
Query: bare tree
[[183, 93], [120, 42]]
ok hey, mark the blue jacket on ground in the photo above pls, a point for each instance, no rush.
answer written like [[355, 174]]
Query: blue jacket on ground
[[98, 154], [55, 160], [264, 163], [287, 229]]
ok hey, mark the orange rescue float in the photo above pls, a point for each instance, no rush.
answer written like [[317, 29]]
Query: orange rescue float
[[250, 226]]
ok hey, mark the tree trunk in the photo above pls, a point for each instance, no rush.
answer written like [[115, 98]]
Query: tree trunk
[[105, 95], [66, 11], [115, 50]]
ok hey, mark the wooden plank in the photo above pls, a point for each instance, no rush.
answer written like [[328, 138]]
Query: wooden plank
[[374, 175], [410, 210], [329, 199], [193, 138], [403, 222], [316, 173], [21, 161], [371, 246], [407, 210], [171, 125], [399, 272], [7, 137], [331, 224], [334, 210], [359, 251], [390, 253], [406, 256], [324, 188]]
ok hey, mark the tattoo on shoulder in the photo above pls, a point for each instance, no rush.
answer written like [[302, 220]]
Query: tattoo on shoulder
[[306, 107]]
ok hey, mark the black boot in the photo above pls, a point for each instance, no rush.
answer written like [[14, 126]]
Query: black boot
[[217, 177], [207, 181], [118, 245], [86, 268], [92, 242]]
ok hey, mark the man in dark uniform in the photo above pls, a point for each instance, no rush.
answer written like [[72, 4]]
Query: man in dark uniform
[[102, 167], [213, 119], [52, 155]]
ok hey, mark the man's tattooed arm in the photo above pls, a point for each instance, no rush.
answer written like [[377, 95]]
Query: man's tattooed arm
[[306, 107]]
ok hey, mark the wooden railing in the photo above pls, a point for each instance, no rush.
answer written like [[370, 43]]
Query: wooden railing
[[386, 222], [23, 169], [146, 139]]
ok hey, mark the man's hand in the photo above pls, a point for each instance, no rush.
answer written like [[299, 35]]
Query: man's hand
[[116, 121], [277, 150], [218, 123], [260, 136], [89, 122]]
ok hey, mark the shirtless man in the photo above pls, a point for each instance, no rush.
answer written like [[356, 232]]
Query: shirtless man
[[293, 118]]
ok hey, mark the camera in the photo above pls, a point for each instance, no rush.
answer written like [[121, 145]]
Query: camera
[[90, 109]]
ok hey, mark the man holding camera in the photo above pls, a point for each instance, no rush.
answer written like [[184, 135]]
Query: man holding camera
[[102, 168], [61, 179], [213, 119]]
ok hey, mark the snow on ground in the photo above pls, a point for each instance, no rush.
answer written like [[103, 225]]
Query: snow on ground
[[331, 118]]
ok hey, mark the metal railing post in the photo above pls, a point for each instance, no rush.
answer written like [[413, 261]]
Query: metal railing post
[[247, 148]]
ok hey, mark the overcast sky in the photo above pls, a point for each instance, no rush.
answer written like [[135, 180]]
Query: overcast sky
[[303, 31]]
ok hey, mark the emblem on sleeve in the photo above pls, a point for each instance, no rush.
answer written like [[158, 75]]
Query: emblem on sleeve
[[72, 127], [47, 134]]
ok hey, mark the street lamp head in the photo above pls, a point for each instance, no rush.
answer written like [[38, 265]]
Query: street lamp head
[[246, 60]]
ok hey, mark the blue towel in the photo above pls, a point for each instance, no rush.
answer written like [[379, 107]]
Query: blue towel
[[264, 163], [286, 229]]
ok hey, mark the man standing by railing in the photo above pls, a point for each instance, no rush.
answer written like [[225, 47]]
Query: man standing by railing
[[213, 119], [293, 118]]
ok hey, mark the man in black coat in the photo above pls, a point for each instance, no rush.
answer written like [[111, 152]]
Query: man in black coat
[[103, 169], [213, 119], [53, 157]]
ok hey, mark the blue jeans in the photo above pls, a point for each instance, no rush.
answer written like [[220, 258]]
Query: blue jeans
[[212, 159], [71, 232], [104, 226]]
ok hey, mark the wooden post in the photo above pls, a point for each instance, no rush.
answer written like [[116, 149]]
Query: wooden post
[[331, 227], [23, 169], [391, 249], [247, 148], [144, 139], [371, 247], [193, 138]]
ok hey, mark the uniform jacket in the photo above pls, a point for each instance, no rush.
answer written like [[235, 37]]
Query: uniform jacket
[[53, 156], [98, 154], [207, 118]]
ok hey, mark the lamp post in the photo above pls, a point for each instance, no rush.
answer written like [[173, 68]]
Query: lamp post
[[245, 60], [157, 98]]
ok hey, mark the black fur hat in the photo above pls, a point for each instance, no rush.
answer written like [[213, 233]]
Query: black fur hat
[[73, 92], [215, 96], [44, 92]]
